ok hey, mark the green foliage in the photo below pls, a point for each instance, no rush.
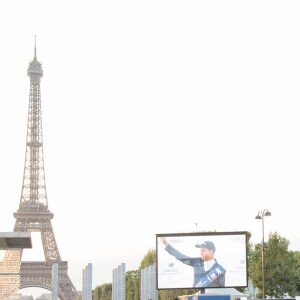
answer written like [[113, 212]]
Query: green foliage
[[103, 292], [133, 285], [254, 267], [149, 259], [297, 258], [281, 268], [79, 296], [173, 294]]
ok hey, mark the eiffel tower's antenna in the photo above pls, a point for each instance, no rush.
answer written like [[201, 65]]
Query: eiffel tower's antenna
[[35, 47]]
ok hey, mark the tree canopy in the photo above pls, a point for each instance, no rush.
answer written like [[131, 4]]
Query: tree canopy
[[281, 268]]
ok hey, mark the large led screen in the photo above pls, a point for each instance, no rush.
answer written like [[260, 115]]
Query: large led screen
[[201, 260]]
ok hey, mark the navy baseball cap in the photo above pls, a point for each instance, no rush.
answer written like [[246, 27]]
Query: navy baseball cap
[[208, 245]]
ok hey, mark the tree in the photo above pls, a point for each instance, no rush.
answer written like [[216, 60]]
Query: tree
[[133, 285], [103, 292], [173, 294], [280, 266], [297, 257], [149, 259], [133, 277]]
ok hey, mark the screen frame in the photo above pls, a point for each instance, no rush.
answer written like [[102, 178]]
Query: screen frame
[[215, 236]]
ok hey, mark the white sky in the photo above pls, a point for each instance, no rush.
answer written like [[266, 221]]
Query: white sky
[[157, 115]]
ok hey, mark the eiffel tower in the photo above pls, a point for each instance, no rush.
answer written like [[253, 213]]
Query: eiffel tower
[[33, 214]]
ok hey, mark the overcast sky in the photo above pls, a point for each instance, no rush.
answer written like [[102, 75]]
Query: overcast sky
[[157, 116]]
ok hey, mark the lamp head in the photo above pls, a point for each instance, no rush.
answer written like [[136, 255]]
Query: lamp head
[[267, 214], [258, 217]]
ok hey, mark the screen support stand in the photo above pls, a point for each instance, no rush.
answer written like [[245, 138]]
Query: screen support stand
[[202, 291]]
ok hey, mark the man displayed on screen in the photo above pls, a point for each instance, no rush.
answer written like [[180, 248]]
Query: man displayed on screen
[[207, 271]]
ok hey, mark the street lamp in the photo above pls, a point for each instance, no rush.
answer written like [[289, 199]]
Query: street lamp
[[260, 216]]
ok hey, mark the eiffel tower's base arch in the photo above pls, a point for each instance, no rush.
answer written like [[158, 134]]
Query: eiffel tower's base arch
[[17, 275], [39, 274]]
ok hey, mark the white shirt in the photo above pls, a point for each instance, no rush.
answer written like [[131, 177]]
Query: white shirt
[[209, 264]]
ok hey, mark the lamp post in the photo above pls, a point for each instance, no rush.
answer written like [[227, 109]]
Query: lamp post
[[260, 216]]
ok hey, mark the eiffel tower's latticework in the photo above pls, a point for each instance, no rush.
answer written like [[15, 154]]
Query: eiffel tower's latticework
[[33, 213]]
